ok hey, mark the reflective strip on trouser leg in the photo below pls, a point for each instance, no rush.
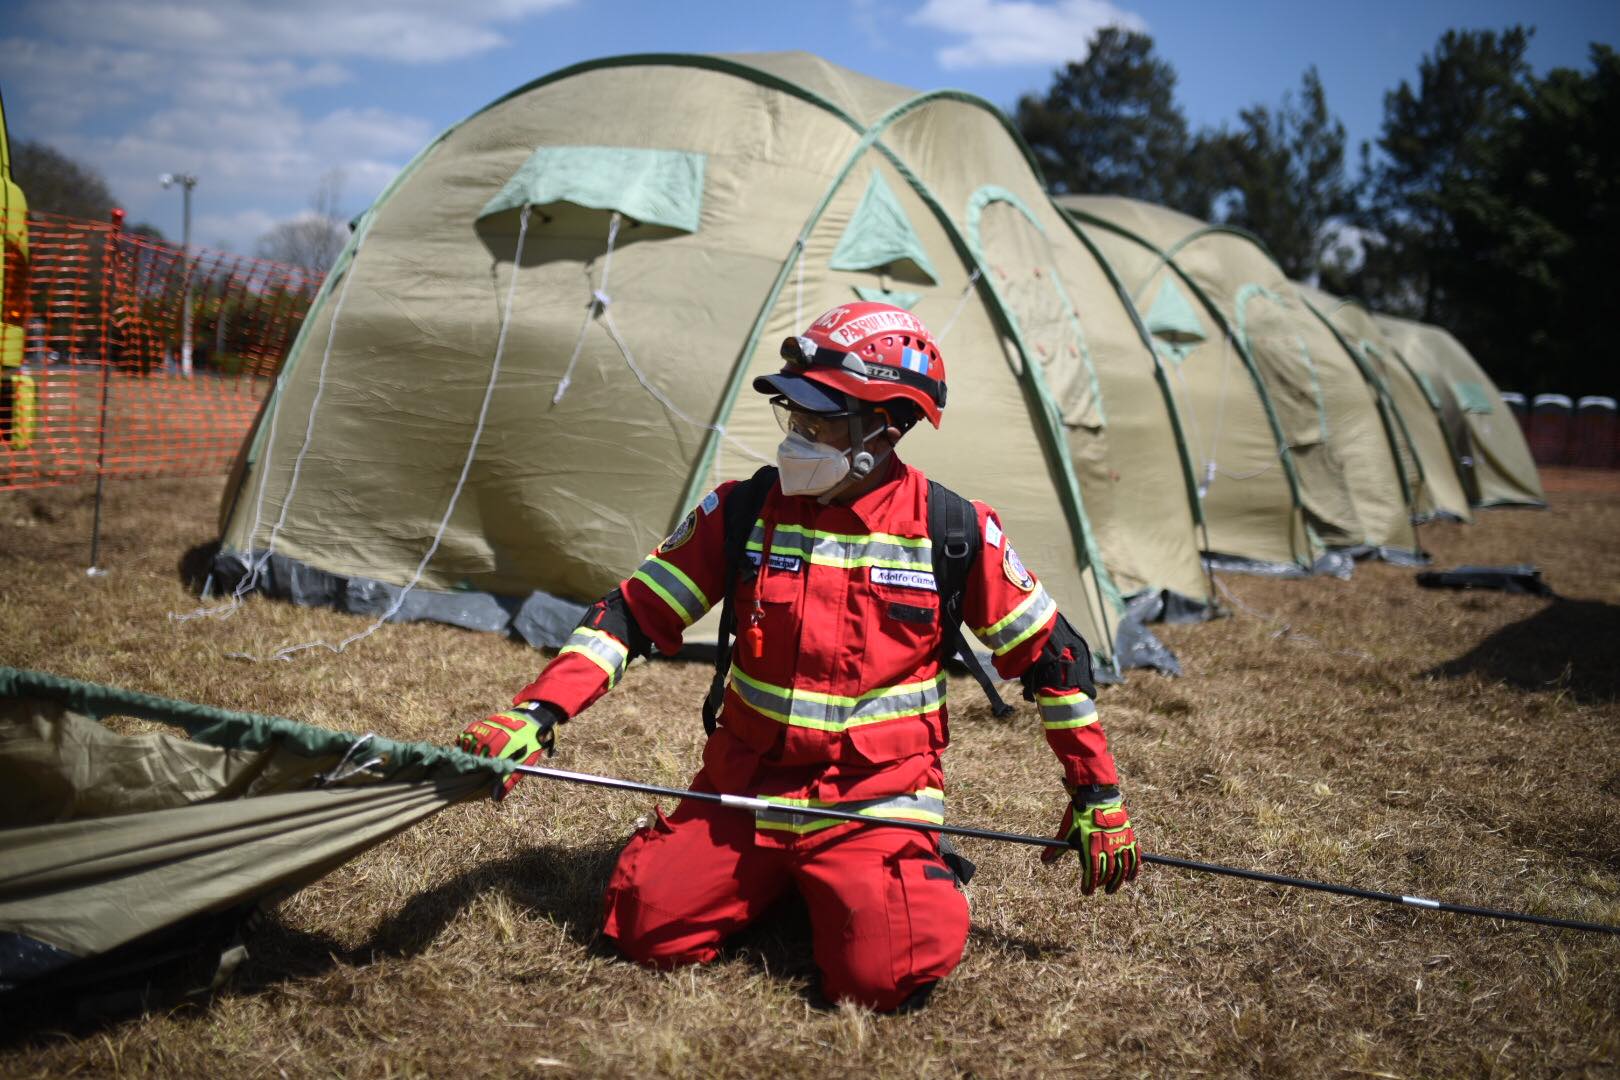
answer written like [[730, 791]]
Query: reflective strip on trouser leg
[[831, 712], [674, 588], [925, 805], [1060, 711], [602, 649], [1019, 623]]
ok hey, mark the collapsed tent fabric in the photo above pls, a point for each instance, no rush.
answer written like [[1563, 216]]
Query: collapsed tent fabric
[[568, 293], [1485, 437], [114, 841], [1295, 449]]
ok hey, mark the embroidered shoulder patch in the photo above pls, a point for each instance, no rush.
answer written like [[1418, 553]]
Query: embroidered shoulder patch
[[683, 532], [1014, 568], [710, 502], [992, 534]]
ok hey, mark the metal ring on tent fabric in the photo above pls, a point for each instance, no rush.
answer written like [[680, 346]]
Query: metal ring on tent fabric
[[344, 770], [598, 303]]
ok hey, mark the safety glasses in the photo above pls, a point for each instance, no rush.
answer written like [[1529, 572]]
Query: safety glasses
[[817, 427]]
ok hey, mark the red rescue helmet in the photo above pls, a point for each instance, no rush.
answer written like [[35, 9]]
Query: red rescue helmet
[[867, 351]]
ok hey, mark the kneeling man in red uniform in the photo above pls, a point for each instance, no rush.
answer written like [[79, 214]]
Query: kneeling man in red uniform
[[835, 694]]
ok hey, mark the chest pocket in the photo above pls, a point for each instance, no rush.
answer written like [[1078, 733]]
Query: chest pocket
[[905, 620]]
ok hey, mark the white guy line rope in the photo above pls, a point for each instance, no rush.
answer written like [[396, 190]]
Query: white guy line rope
[[255, 567], [599, 298], [286, 652], [961, 302]]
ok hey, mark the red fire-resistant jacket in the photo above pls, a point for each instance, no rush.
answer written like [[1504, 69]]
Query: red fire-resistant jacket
[[845, 703]]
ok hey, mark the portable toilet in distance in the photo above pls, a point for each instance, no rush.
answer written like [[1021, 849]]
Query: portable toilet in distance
[[1550, 416], [1593, 444]]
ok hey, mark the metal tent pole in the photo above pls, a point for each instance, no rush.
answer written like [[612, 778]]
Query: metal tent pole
[[752, 805]]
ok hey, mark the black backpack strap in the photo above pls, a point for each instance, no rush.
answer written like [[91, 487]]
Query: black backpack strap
[[953, 528], [743, 504]]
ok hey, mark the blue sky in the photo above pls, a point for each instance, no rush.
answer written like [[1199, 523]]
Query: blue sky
[[260, 98]]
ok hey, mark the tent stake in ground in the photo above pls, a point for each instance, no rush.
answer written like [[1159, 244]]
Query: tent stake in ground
[[752, 805]]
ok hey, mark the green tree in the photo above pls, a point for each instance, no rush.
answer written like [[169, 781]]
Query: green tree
[[1494, 212], [1110, 125], [1547, 234], [56, 184], [1286, 176], [1442, 144]]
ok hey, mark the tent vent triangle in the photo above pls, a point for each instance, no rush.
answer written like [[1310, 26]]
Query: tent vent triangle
[[1171, 318], [880, 236]]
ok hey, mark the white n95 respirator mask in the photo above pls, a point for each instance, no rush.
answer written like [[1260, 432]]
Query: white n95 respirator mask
[[809, 468]]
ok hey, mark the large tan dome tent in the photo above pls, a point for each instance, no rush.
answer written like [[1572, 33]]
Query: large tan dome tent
[[533, 358], [1484, 435], [1289, 436], [1414, 425]]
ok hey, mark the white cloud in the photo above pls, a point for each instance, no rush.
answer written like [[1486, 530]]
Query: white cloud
[[411, 31], [1018, 33], [211, 87]]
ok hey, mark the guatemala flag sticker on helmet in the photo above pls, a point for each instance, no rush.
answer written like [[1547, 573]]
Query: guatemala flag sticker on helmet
[[1014, 567], [683, 532]]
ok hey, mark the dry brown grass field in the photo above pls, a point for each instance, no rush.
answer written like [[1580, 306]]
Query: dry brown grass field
[[1464, 746]]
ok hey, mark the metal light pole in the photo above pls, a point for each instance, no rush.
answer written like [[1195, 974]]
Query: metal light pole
[[186, 182]]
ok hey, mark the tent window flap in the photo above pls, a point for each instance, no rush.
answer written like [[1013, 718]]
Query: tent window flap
[[880, 237], [1171, 318], [1473, 397], [655, 187]]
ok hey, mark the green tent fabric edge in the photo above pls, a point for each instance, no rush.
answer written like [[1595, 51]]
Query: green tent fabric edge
[[1284, 454], [240, 730], [1388, 414]]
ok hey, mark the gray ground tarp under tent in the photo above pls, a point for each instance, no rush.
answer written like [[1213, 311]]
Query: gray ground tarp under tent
[[113, 842]]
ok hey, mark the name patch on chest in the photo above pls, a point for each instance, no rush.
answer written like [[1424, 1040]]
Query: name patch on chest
[[905, 579], [792, 564]]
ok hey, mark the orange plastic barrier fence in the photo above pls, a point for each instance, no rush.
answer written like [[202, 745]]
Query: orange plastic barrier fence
[[138, 358]]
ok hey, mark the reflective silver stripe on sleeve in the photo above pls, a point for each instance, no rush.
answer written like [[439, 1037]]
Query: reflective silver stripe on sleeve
[[799, 815], [829, 712], [601, 649], [1019, 623], [674, 588], [1059, 711]]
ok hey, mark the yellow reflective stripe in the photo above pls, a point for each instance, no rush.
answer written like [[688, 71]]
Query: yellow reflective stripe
[[927, 805], [830, 712], [1061, 711], [856, 538], [845, 551], [1035, 623], [669, 582], [1020, 623], [997, 626], [601, 649]]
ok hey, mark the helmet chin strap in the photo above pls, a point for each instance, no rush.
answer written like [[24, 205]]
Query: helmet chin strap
[[861, 462]]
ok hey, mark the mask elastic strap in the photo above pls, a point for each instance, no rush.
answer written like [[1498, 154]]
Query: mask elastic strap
[[861, 462]]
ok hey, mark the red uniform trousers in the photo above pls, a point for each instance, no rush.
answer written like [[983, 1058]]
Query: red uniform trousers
[[885, 912]]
